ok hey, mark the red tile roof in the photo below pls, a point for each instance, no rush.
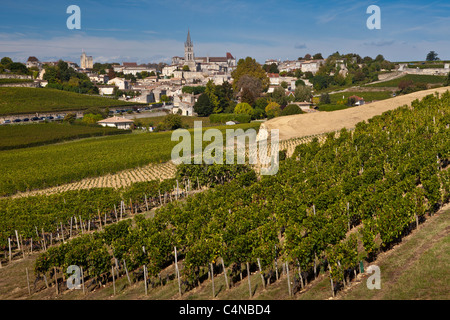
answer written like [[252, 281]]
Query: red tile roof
[[130, 64]]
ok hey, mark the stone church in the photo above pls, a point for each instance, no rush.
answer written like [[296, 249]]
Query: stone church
[[203, 64]]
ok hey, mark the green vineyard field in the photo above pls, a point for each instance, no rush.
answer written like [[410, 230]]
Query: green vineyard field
[[21, 136], [384, 176], [52, 165], [32, 100]]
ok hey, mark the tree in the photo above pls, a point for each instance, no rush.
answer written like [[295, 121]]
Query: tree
[[95, 111], [432, 56], [193, 90], [253, 84], [70, 117], [320, 82], [210, 90], [243, 108], [298, 73], [284, 84], [273, 109], [6, 62], [92, 118], [309, 75], [290, 110], [308, 57], [251, 68], [447, 80], [351, 101], [279, 96], [203, 106], [261, 103], [271, 68], [224, 93], [18, 68], [186, 68], [299, 83], [111, 73], [379, 58], [172, 121], [325, 98], [247, 96], [317, 56], [302, 93], [165, 98], [258, 113], [404, 84]]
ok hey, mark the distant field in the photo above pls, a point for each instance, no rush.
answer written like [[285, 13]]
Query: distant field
[[366, 95], [52, 165], [31, 100], [188, 121], [332, 107], [30, 135], [7, 81], [416, 78]]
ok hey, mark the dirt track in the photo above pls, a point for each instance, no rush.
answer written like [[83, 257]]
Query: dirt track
[[320, 122]]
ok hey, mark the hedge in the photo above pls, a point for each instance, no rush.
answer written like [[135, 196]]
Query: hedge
[[225, 117]]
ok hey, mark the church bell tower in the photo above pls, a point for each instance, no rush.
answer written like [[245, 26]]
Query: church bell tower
[[189, 58]]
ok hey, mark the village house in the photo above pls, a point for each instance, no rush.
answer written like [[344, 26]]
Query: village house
[[121, 83], [116, 122], [33, 62], [105, 89], [184, 104]]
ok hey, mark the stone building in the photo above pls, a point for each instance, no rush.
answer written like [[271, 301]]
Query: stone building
[[86, 62]]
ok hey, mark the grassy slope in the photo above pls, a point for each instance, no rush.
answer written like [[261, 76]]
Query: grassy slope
[[20, 136], [411, 77], [367, 95], [45, 166], [187, 120], [31, 100]]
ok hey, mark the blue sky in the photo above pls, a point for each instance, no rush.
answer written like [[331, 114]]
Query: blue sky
[[155, 30]]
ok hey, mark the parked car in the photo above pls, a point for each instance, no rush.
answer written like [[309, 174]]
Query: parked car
[[17, 120], [35, 119], [50, 118], [7, 121], [26, 120]]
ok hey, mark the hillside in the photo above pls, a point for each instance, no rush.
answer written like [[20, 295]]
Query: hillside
[[321, 122], [32, 100], [415, 78], [22, 136]]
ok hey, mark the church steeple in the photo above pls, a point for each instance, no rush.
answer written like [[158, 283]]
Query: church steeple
[[188, 42]]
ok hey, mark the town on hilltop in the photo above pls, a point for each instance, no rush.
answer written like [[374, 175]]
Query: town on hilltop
[[306, 81]]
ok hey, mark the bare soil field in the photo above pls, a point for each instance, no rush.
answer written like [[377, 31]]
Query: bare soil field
[[321, 122]]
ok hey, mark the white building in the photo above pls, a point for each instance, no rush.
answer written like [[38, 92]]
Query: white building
[[121, 83], [117, 122], [34, 62], [185, 104], [105, 89]]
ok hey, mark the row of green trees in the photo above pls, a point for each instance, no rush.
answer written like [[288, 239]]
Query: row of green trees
[[63, 77], [7, 63], [250, 82]]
